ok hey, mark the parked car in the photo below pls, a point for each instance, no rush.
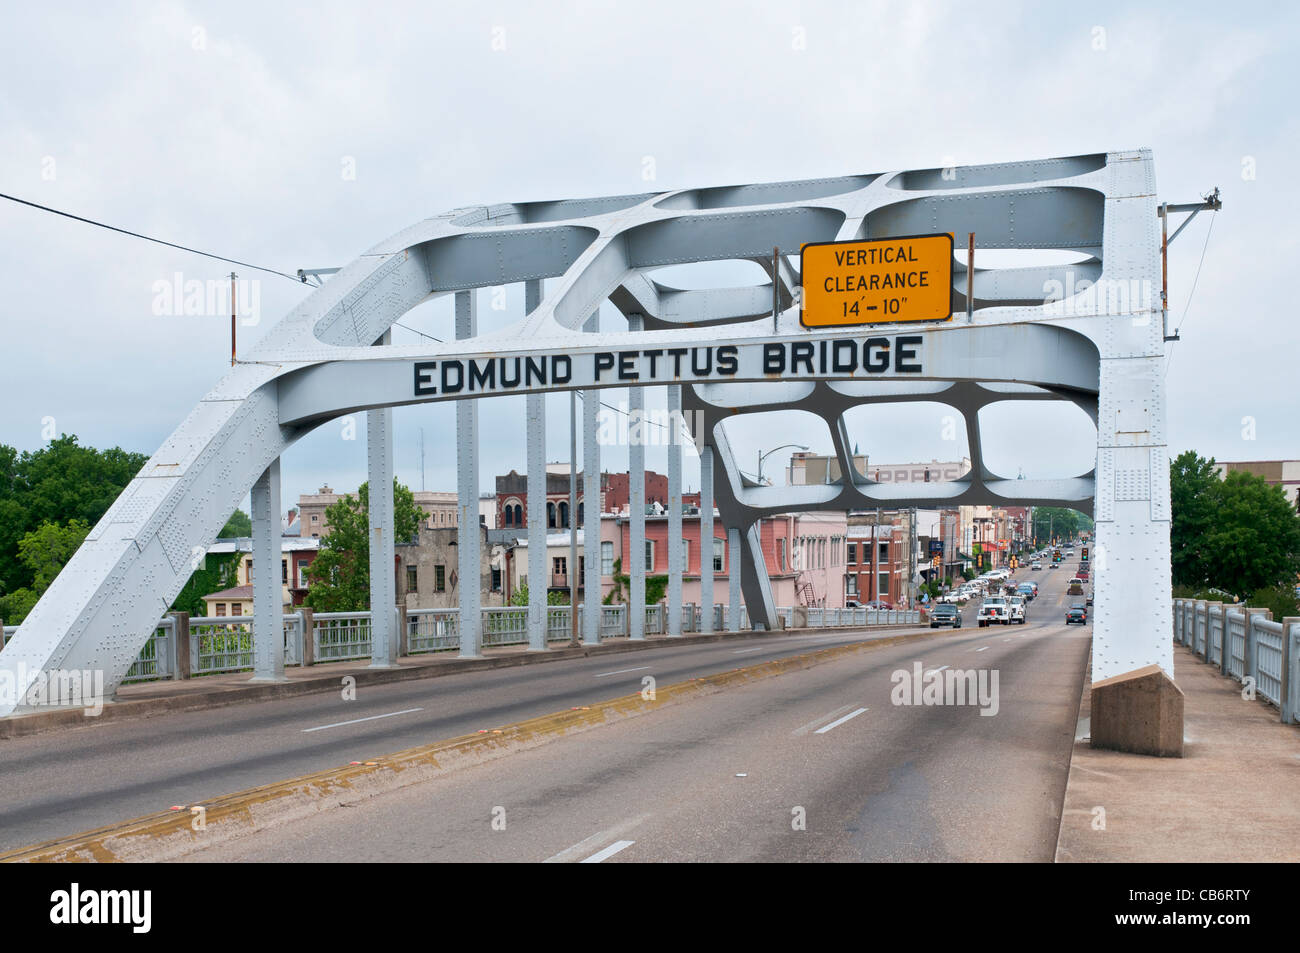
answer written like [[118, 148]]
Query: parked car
[[945, 614], [1077, 613], [878, 604]]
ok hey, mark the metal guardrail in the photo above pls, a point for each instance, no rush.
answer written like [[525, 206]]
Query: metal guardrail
[[432, 630], [222, 644], [1245, 644]]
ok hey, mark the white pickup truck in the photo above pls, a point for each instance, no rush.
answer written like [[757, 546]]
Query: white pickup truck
[[994, 611]]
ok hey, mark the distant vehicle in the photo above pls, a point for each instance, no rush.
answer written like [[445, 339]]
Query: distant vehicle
[[945, 614], [1028, 590], [1036, 567], [1016, 609], [1051, 565], [1076, 581], [1077, 613], [877, 605], [1089, 598], [993, 611], [851, 604]]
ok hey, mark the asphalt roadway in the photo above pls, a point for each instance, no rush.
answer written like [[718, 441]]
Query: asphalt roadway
[[818, 764]]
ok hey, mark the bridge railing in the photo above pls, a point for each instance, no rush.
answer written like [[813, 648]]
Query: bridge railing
[[1246, 645], [224, 644]]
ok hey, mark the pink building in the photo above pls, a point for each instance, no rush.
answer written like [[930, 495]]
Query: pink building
[[804, 554]]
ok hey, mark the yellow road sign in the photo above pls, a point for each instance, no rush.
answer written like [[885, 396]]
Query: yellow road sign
[[878, 281]]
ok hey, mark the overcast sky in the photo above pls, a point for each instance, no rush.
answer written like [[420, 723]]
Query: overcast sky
[[298, 136]]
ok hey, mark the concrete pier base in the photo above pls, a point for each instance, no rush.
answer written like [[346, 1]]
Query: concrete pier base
[[1140, 712]]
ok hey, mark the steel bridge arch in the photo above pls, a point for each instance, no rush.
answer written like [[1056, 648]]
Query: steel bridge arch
[[328, 357]]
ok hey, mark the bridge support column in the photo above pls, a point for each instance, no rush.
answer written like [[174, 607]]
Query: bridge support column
[[591, 509], [538, 583], [733, 579], [383, 552], [468, 536], [268, 591], [676, 564], [1135, 704], [636, 568], [706, 537]]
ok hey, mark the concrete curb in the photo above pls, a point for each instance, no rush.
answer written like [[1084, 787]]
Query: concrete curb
[[17, 726], [166, 835]]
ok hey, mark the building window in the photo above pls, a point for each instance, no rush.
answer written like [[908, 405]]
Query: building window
[[719, 554], [221, 608], [582, 521], [496, 580], [853, 554], [780, 555], [564, 514], [649, 555], [582, 567], [519, 515], [560, 565], [550, 515], [606, 558], [302, 575], [851, 584], [510, 516], [686, 555], [439, 578], [411, 577], [236, 608], [884, 553], [284, 572], [882, 584]]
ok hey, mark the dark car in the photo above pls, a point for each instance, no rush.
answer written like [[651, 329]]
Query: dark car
[[945, 613], [1077, 613]]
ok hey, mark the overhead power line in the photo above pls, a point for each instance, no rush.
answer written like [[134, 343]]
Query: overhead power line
[[194, 251], [148, 238]]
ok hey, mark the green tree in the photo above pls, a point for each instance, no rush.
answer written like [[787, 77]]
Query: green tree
[[239, 524], [1052, 521], [1237, 534], [340, 573], [219, 571], [44, 552], [1255, 536], [1192, 482], [56, 484]]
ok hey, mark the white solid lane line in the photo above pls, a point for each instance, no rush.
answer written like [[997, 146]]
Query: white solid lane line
[[623, 671], [981, 649], [939, 669], [357, 721], [588, 844], [748, 651], [608, 852], [821, 719], [839, 721]]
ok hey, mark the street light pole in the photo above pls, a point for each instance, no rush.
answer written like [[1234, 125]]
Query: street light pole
[[763, 456]]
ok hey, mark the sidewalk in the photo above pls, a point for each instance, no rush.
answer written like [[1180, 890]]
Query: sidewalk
[[1234, 797], [215, 691]]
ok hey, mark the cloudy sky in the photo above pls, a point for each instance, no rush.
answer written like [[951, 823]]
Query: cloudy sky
[[298, 136]]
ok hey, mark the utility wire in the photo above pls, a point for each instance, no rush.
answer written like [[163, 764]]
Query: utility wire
[[123, 231], [1183, 320], [196, 251]]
